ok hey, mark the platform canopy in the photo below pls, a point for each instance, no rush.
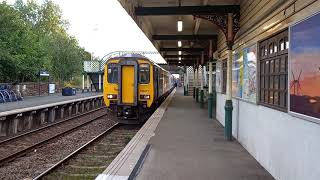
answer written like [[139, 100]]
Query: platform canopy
[[161, 26]]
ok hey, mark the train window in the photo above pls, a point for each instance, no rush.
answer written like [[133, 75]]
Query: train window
[[144, 73], [112, 73]]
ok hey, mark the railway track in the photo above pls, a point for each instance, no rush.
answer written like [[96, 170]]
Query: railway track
[[92, 158], [17, 146]]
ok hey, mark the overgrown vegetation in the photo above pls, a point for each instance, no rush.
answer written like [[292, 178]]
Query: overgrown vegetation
[[34, 37]]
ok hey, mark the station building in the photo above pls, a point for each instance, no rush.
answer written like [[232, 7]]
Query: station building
[[266, 59]]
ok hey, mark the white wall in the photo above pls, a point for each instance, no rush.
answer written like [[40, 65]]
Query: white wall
[[288, 147]]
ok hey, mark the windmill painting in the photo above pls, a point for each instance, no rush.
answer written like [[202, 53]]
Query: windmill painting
[[304, 60], [295, 84]]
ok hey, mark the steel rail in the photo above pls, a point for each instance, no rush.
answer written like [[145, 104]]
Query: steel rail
[[76, 152], [26, 150]]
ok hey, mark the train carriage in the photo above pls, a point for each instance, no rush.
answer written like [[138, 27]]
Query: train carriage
[[134, 86]]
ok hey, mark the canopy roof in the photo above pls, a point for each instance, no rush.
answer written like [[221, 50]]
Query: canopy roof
[[162, 17]]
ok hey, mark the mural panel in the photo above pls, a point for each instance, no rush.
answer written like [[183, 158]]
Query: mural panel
[[237, 74], [219, 77], [304, 72], [249, 90]]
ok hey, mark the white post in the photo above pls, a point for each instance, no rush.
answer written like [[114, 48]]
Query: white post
[[194, 82], [202, 77], [99, 82], [229, 76], [228, 106], [187, 78], [88, 82], [210, 77], [83, 81], [205, 71], [229, 63], [197, 78], [202, 71]]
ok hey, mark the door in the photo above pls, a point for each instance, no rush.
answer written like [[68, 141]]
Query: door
[[127, 86]]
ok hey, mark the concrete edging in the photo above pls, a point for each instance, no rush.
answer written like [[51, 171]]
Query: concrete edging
[[123, 165], [17, 111]]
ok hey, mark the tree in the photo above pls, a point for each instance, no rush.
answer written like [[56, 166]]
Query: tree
[[34, 37], [18, 49]]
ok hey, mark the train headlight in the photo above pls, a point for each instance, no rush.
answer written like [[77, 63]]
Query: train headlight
[[112, 96], [144, 96]]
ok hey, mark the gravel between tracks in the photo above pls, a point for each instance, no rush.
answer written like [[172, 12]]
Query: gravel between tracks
[[20, 143], [34, 163], [95, 158]]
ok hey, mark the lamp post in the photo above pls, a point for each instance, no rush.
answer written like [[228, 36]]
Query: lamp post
[[228, 105], [201, 82]]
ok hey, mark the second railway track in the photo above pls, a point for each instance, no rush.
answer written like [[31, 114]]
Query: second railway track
[[93, 157], [17, 146], [38, 159]]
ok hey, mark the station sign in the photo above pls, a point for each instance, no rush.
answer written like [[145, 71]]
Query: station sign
[[44, 73]]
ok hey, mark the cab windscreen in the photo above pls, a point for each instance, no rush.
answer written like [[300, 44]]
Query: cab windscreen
[[113, 73], [144, 73]]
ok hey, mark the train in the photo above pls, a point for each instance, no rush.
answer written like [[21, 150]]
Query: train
[[135, 86]]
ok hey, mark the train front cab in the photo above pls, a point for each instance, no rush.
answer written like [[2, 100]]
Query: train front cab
[[129, 88]]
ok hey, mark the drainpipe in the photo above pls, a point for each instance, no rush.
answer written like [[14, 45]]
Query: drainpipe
[[185, 81], [210, 98], [210, 95], [194, 82], [196, 85]]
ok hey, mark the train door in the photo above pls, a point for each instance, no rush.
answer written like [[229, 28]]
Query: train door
[[128, 84]]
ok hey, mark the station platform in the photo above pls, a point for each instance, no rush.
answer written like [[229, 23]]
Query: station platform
[[179, 141], [43, 100]]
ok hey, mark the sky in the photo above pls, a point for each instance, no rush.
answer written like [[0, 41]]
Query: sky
[[103, 26], [305, 56]]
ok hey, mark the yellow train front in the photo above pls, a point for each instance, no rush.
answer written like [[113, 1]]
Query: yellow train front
[[134, 86]]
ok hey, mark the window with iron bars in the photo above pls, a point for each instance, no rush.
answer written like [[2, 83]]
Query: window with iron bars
[[273, 71]]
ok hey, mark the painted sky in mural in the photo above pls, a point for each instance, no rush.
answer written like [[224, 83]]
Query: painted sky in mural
[[250, 73], [304, 75]]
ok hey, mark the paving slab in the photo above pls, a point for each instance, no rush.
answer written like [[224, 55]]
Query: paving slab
[[189, 145], [42, 100], [126, 164]]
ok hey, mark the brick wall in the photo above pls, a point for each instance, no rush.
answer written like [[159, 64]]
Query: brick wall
[[31, 88]]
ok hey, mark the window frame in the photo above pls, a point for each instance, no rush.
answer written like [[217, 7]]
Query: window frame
[[115, 66], [149, 67], [270, 69]]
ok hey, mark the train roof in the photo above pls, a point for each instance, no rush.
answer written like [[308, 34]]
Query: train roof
[[135, 55]]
